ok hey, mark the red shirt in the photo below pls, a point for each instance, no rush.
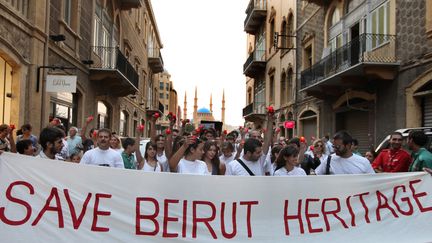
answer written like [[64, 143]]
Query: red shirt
[[390, 160]]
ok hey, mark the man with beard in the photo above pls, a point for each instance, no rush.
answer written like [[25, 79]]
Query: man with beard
[[51, 140], [394, 159], [344, 161], [103, 155]]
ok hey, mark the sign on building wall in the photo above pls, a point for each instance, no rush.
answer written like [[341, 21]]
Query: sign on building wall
[[61, 83]]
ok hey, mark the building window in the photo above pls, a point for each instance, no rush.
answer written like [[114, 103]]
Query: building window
[[124, 117], [5, 91], [167, 87], [161, 85], [135, 122], [380, 24], [259, 96], [307, 57], [249, 95], [429, 18], [167, 96], [272, 89], [103, 115], [272, 32], [283, 92], [166, 107], [290, 30], [67, 11], [283, 34], [290, 85], [161, 96]]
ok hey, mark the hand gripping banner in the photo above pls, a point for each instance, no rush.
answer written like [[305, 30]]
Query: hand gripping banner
[[53, 201]]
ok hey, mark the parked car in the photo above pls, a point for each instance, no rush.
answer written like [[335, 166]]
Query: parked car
[[405, 131]]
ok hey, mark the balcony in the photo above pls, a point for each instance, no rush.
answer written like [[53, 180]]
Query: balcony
[[153, 108], [357, 64], [255, 111], [155, 60], [256, 14], [255, 64], [128, 4], [112, 73]]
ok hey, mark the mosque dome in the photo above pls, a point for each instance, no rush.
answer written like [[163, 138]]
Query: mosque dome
[[204, 110]]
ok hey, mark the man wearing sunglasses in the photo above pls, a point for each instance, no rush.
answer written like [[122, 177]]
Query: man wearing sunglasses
[[394, 159], [344, 161]]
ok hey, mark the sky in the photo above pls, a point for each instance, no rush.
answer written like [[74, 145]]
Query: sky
[[204, 45]]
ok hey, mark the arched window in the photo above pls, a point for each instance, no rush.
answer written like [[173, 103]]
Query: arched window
[[284, 33], [124, 119], [290, 85], [335, 17], [334, 42], [272, 32], [283, 89], [290, 30], [103, 115]]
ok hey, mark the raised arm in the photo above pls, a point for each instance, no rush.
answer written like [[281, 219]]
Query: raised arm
[[84, 127], [268, 135], [178, 155], [11, 140], [152, 120], [138, 155], [169, 140]]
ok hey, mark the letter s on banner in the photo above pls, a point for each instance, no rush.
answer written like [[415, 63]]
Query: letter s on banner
[[18, 201]]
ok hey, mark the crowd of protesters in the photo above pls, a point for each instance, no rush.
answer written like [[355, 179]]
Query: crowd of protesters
[[243, 152]]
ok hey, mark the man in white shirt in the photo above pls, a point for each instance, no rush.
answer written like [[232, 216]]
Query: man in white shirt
[[103, 155], [344, 161], [253, 161]]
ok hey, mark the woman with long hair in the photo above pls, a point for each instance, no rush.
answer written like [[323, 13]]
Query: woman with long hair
[[115, 143], [210, 157], [151, 163], [187, 158], [287, 162]]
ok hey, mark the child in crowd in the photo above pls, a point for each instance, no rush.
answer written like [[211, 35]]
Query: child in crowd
[[75, 158]]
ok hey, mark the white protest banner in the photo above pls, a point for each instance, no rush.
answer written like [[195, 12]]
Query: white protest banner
[[53, 201], [61, 83]]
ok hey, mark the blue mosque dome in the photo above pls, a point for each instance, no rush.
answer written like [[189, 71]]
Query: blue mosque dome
[[204, 110]]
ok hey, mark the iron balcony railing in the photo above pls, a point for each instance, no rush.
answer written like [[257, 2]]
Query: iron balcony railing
[[112, 58], [254, 5], [367, 48], [255, 56], [254, 108]]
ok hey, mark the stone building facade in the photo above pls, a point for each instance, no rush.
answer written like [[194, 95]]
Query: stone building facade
[[112, 46], [364, 67], [358, 65], [270, 64]]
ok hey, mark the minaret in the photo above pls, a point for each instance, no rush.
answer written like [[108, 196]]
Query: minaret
[[211, 103], [223, 108], [185, 108], [195, 114]]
